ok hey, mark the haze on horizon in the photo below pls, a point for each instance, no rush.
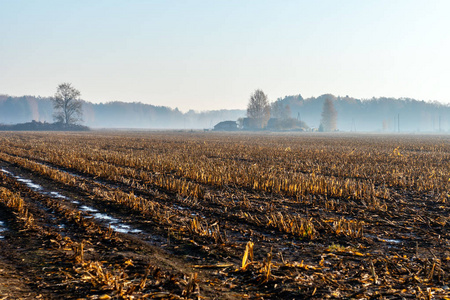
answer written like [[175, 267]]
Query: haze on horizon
[[206, 55]]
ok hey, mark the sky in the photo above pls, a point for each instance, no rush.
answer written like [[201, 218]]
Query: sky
[[206, 55]]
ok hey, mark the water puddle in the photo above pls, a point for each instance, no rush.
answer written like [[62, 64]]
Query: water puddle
[[5, 171], [114, 223], [124, 228], [29, 183], [57, 195], [87, 208], [2, 229], [101, 216], [389, 241], [179, 207]]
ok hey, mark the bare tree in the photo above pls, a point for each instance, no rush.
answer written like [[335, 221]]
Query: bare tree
[[67, 105], [258, 108], [280, 111], [329, 116], [276, 109]]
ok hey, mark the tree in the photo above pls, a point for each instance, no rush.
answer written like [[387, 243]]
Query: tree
[[329, 116], [280, 111], [258, 108], [67, 105]]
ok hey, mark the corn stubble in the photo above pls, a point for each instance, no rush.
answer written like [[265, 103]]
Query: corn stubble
[[310, 216]]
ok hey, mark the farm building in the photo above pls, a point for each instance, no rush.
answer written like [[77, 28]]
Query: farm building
[[226, 126]]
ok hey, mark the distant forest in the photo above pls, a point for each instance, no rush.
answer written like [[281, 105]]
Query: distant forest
[[374, 115], [114, 114]]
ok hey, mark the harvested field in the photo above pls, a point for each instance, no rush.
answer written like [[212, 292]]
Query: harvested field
[[165, 215]]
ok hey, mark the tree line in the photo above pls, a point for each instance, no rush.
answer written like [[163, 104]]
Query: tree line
[[278, 115], [382, 114], [329, 113], [114, 114], [351, 114]]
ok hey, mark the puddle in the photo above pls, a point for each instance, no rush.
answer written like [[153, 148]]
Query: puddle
[[115, 223], [2, 229], [105, 217], [87, 208], [57, 195], [122, 228], [112, 222], [180, 207], [29, 183], [390, 241], [6, 171]]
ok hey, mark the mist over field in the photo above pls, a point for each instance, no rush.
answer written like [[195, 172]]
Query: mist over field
[[114, 114], [361, 115]]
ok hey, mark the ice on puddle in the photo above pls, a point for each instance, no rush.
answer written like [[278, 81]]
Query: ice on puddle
[[179, 207], [57, 195], [30, 183], [2, 229], [2, 226], [88, 208], [113, 222], [124, 228], [392, 241], [105, 217], [6, 171]]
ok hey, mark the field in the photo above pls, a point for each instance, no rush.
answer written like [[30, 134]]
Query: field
[[166, 215]]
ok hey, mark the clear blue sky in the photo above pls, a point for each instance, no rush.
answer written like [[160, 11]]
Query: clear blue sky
[[212, 54]]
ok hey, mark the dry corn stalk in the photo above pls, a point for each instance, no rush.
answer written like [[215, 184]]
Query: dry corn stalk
[[247, 259], [267, 267]]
